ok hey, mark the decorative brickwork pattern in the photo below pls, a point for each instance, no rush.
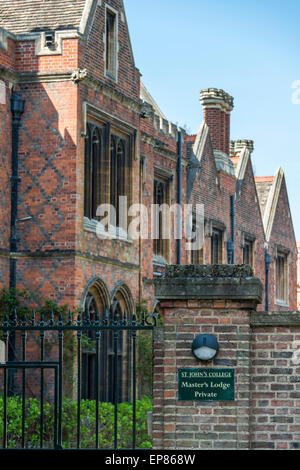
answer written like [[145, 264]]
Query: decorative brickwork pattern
[[62, 85]]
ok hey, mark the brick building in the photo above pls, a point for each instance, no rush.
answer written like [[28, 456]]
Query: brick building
[[90, 132], [298, 276]]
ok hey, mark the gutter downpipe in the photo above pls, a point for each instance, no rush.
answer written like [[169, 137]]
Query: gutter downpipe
[[17, 109], [230, 244], [268, 261], [179, 189]]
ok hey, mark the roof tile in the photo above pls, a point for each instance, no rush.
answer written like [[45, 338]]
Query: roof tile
[[24, 16]]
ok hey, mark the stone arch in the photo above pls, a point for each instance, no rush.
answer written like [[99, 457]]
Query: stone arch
[[122, 302], [95, 301], [123, 295], [97, 288]]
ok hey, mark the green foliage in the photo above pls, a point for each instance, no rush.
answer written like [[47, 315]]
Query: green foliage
[[145, 361], [16, 301], [12, 300], [144, 354], [69, 423]]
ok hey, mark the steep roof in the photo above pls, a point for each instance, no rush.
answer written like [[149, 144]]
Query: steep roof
[[25, 16], [148, 98], [263, 187], [268, 193]]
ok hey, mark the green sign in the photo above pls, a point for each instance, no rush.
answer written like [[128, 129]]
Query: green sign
[[206, 384]]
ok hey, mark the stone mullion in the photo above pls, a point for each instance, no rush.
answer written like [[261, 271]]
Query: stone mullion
[[105, 174]]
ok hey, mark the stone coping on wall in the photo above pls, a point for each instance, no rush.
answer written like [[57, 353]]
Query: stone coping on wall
[[208, 271], [213, 282], [274, 319]]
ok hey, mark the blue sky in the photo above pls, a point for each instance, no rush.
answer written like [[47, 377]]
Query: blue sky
[[250, 49]]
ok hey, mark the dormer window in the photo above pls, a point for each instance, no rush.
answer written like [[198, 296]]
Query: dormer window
[[111, 44]]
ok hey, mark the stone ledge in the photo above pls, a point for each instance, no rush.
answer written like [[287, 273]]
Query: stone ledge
[[275, 319], [216, 282]]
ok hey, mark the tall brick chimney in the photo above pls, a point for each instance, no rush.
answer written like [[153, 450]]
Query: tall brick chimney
[[217, 106]]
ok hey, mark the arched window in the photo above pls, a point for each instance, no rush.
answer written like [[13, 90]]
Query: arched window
[[109, 152], [96, 303], [117, 174], [93, 157], [120, 309], [160, 197]]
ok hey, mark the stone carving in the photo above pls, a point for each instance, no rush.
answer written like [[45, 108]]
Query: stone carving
[[78, 75], [146, 111], [209, 271]]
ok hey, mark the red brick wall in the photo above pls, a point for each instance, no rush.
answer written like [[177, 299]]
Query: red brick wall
[[283, 234], [265, 413], [213, 189], [5, 169], [48, 160], [219, 127], [275, 394], [91, 53], [8, 57], [5, 173], [196, 425], [298, 276], [250, 221], [52, 171], [28, 61]]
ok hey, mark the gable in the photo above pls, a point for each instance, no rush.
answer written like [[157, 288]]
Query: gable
[[282, 230], [93, 49], [263, 187], [203, 178], [250, 217]]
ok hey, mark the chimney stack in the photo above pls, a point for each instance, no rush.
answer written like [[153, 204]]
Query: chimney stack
[[217, 106], [237, 146]]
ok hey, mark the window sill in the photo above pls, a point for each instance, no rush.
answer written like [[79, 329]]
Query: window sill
[[158, 260], [110, 76], [281, 303], [114, 233]]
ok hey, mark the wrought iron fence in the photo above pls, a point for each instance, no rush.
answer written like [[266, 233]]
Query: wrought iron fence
[[47, 364]]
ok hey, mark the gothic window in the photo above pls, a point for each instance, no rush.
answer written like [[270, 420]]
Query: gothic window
[[117, 174], [96, 304], [248, 251], [281, 277], [108, 162], [93, 159], [217, 246], [111, 44], [196, 255], [160, 197]]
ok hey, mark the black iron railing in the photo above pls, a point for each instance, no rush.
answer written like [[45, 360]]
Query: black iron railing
[[48, 360]]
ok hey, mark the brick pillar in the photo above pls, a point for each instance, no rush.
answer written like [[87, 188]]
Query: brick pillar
[[203, 299]]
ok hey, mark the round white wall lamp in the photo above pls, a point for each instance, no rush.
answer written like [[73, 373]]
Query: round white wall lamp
[[205, 347]]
